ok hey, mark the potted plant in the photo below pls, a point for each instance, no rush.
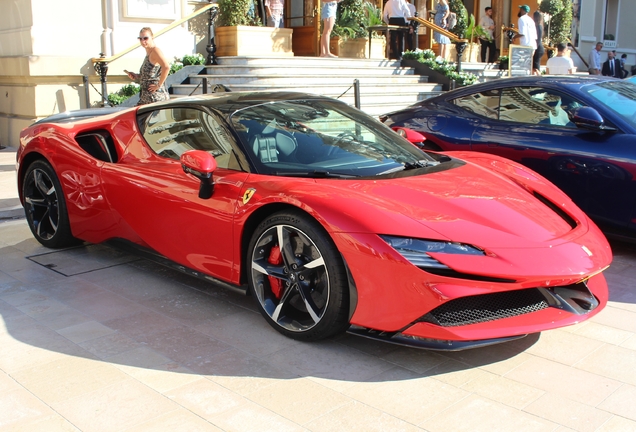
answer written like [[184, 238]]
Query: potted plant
[[350, 35], [239, 32], [504, 61]]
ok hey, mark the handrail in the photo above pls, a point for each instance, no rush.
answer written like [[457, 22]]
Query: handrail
[[578, 53], [159, 33], [452, 36]]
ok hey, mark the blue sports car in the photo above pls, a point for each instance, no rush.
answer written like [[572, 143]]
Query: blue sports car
[[577, 131]]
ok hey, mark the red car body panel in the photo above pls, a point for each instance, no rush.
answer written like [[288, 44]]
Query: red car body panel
[[489, 202]]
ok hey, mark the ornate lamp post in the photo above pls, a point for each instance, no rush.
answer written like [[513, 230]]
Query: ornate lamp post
[[211, 46]]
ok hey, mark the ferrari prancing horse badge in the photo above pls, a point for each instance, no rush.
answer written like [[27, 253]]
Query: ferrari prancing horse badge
[[248, 195]]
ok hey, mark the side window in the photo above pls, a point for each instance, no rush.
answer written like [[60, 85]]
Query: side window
[[171, 132], [485, 103], [536, 105]]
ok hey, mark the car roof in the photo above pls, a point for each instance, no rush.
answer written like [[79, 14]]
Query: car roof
[[81, 114], [570, 81], [230, 102]]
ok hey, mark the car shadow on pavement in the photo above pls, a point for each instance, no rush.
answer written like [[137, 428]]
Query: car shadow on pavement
[[99, 303]]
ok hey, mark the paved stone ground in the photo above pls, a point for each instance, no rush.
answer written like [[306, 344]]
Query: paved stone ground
[[93, 339]]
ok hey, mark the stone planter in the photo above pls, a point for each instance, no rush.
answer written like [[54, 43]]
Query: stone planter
[[433, 76], [358, 48], [248, 40], [470, 55]]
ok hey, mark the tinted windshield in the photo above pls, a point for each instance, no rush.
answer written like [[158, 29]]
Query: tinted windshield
[[617, 96], [322, 138]]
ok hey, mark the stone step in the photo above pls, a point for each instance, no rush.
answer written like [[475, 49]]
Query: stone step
[[298, 62], [295, 80], [324, 89], [384, 84], [305, 70]]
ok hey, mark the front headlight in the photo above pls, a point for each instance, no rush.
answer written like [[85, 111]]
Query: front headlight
[[416, 250]]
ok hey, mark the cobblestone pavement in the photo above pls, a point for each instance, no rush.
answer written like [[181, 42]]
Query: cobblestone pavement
[[93, 339]]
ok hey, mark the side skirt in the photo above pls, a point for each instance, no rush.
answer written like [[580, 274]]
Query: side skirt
[[153, 256]]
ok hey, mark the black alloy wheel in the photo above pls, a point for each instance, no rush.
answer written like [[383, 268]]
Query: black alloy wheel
[[298, 277], [45, 207]]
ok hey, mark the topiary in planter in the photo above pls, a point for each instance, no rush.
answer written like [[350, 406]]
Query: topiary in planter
[[237, 12]]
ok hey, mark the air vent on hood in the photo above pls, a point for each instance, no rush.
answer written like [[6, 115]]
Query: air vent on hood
[[555, 208]]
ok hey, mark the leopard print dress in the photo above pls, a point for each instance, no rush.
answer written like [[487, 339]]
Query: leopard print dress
[[149, 74]]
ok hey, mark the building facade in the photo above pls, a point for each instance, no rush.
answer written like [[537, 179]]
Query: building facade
[[46, 46]]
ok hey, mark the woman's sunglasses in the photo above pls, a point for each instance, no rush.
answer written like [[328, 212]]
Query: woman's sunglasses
[[143, 38]]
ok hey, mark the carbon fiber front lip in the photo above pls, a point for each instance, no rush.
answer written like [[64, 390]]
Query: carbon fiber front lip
[[428, 344]]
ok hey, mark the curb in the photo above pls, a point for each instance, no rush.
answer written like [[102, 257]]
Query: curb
[[11, 213]]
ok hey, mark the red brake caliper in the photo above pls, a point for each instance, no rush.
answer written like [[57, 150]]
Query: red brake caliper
[[275, 258]]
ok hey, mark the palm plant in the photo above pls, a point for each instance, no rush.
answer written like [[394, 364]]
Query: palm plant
[[350, 20]]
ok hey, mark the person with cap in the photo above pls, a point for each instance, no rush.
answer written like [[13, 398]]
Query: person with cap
[[560, 64], [486, 22], [612, 66], [527, 28], [595, 59]]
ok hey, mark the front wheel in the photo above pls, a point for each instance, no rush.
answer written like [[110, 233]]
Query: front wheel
[[45, 207], [298, 277]]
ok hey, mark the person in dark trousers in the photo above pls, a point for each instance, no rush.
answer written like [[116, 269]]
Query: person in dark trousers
[[538, 53], [486, 22], [395, 13]]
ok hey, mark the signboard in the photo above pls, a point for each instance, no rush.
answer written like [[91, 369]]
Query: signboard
[[520, 60]]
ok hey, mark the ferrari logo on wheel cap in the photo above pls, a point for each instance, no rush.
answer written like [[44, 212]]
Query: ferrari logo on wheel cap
[[248, 195]]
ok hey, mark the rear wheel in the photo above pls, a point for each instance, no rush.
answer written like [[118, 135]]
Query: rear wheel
[[298, 277], [45, 207]]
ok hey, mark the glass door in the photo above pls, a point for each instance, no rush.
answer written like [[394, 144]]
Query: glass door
[[304, 19]]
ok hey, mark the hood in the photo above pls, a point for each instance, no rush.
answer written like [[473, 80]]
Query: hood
[[469, 204]]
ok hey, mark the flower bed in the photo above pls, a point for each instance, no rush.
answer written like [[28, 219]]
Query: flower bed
[[437, 69]]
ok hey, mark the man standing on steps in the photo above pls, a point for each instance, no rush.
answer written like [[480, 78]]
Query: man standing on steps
[[595, 59], [527, 28], [486, 22], [395, 13]]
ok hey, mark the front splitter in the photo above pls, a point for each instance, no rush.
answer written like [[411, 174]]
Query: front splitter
[[429, 344]]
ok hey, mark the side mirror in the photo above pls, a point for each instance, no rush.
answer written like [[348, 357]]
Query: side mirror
[[587, 118], [410, 135], [200, 164]]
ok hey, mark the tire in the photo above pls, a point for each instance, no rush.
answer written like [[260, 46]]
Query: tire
[[45, 206], [302, 288]]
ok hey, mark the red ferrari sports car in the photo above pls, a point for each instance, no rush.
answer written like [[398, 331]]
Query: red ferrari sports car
[[330, 219]]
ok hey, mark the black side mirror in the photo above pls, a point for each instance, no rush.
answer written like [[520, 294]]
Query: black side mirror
[[200, 164], [588, 118]]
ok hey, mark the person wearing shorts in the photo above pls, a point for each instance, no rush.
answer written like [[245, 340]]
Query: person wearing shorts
[[328, 15]]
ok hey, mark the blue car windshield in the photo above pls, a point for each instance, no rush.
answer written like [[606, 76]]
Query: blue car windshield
[[322, 138], [616, 96]]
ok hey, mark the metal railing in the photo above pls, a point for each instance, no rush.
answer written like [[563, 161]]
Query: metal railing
[[460, 44], [101, 63]]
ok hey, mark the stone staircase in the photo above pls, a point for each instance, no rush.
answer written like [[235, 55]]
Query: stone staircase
[[384, 85]]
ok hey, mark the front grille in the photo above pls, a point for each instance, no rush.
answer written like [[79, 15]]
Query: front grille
[[486, 307]]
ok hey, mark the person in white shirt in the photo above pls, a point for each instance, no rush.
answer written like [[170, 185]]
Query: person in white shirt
[[486, 22], [560, 64], [527, 28], [595, 59], [395, 13]]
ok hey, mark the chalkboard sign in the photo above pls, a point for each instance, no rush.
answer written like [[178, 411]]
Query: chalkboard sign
[[520, 60]]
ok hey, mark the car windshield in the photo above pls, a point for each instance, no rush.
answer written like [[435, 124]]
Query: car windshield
[[323, 138], [617, 96]]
